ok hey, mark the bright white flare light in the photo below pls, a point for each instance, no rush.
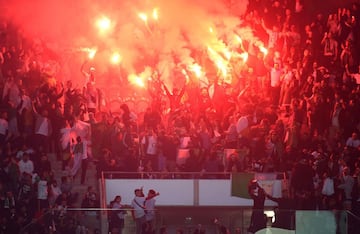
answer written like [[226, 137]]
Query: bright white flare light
[[143, 17], [103, 24], [115, 58], [155, 14], [91, 52], [136, 80], [244, 56], [139, 82], [263, 50], [196, 69], [238, 39]]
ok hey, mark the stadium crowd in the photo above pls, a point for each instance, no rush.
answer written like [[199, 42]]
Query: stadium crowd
[[295, 109]]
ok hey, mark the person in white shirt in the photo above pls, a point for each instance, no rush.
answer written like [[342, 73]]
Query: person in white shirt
[[26, 165], [285, 90], [24, 149], [88, 74], [138, 210], [275, 84], [11, 91], [91, 98], [65, 142], [79, 150], [328, 191], [26, 115], [346, 184], [353, 141], [149, 149], [43, 130], [42, 193], [274, 35], [231, 134]]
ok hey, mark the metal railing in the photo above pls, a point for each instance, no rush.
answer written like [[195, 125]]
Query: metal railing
[[177, 175], [165, 175]]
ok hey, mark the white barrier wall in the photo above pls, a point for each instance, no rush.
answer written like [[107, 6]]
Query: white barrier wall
[[176, 192]]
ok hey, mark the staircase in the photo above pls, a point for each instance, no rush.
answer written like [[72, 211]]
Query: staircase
[[91, 180]]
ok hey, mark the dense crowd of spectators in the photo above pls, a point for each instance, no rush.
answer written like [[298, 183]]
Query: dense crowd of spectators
[[294, 109]]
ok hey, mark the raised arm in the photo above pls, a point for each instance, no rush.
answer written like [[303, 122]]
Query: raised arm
[[324, 38], [182, 91], [59, 95], [166, 90], [82, 68], [264, 26], [272, 198]]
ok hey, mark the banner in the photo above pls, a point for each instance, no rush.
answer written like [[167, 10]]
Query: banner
[[239, 184], [265, 176], [267, 181], [271, 187], [83, 130]]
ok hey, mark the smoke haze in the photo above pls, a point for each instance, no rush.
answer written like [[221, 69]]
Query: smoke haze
[[181, 27]]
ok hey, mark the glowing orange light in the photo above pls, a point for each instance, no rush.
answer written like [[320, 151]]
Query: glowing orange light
[[136, 80], [196, 68], [115, 58], [187, 78], [211, 50], [183, 71], [219, 61], [139, 82], [238, 39], [143, 17], [244, 56], [155, 14], [103, 24], [263, 50], [222, 67], [211, 30], [90, 51], [227, 53]]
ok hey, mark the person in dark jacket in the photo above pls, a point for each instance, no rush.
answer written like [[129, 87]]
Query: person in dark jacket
[[258, 218]]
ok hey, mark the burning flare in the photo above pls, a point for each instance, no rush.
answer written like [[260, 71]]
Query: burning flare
[[103, 24], [91, 52], [143, 17], [155, 14], [263, 50], [136, 80], [196, 69], [115, 58], [244, 56]]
